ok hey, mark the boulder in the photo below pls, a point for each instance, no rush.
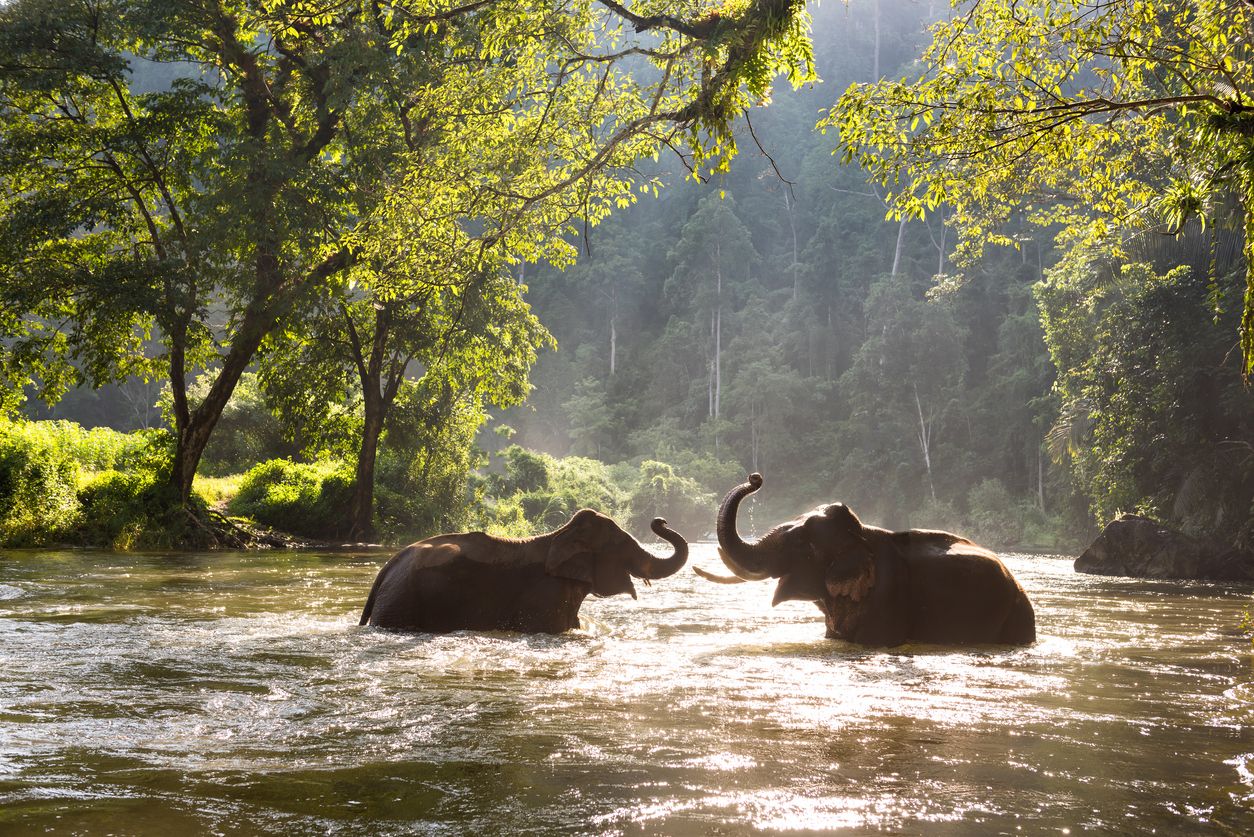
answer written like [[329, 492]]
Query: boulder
[[1137, 546]]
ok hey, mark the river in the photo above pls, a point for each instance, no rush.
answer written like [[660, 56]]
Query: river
[[234, 693]]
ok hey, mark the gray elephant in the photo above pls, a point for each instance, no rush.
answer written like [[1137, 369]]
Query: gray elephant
[[877, 587], [473, 581]]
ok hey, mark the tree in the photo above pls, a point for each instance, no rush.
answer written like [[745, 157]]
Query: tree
[[1165, 423], [304, 139], [713, 258], [591, 422], [1101, 116], [902, 391], [473, 342]]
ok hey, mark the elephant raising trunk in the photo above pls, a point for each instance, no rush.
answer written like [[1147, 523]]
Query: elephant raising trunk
[[879, 587], [649, 566], [748, 561], [473, 581]]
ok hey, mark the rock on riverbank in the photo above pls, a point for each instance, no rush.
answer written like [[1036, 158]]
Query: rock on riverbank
[[1137, 546]]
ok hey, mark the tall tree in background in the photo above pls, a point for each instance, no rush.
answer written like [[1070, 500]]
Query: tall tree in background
[[1102, 116], [903, 390], [713, 259], [305, 139]]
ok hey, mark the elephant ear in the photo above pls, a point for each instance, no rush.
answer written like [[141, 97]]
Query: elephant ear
[[606, 576], [570, 554], [577, 555]]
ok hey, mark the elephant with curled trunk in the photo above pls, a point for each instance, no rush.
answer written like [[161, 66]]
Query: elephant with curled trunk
[[473, 581], [877, 587]]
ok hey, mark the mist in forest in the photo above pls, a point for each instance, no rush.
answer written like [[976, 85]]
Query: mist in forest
[[772, 319]]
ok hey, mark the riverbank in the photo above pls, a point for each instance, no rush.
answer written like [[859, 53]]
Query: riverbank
[[61, 484]]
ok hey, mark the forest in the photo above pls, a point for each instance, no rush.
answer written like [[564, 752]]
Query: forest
[[433, 322]]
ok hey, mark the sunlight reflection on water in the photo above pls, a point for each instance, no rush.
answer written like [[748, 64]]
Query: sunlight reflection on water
[[206, 691]]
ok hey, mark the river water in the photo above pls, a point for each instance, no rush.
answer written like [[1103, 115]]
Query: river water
[[234, 693]]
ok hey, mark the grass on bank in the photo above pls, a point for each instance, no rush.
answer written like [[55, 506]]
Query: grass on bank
[[63, 484]]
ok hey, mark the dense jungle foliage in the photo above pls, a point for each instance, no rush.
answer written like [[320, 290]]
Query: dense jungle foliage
[[768, 317]]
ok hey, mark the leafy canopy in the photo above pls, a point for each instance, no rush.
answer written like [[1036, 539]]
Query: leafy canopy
[[1101, 116], [160, 228]]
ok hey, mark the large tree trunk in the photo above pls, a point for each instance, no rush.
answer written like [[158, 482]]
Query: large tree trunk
[[379, 386], [194, 427], [197, 425], [361, 513]]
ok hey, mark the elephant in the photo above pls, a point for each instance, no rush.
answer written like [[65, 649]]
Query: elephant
[[474, 581], [877, 587]]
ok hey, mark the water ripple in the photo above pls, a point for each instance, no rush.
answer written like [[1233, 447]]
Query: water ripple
[[198, 692]]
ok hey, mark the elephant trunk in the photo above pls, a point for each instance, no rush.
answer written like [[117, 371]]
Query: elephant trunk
[[650, 566], [750, 561]]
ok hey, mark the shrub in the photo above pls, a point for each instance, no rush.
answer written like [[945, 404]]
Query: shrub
[[538, 493], [660, 492], [103, 449], [547, 510], [39, 474], [46, 466], [587, 482], [504, 518], [525, 471], [133, 510], [1047, 531], [937, 514], [247, 432], [995, 519], [303, 499], [717, 476], [423, 486]]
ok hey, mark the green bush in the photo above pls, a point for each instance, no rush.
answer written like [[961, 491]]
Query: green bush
[[49, 470], [247, 432], [937, 514], [133, 510], [538, 493], [717, 476], [588, 482], [1048, 531], [504, 518], [547, 510], [303, 499], [995, 518], [660, 492], [417, 495], [39, 473], [525, 471]]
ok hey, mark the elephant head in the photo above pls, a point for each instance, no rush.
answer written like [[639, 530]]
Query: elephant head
[[823, 553], [592, 549]]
